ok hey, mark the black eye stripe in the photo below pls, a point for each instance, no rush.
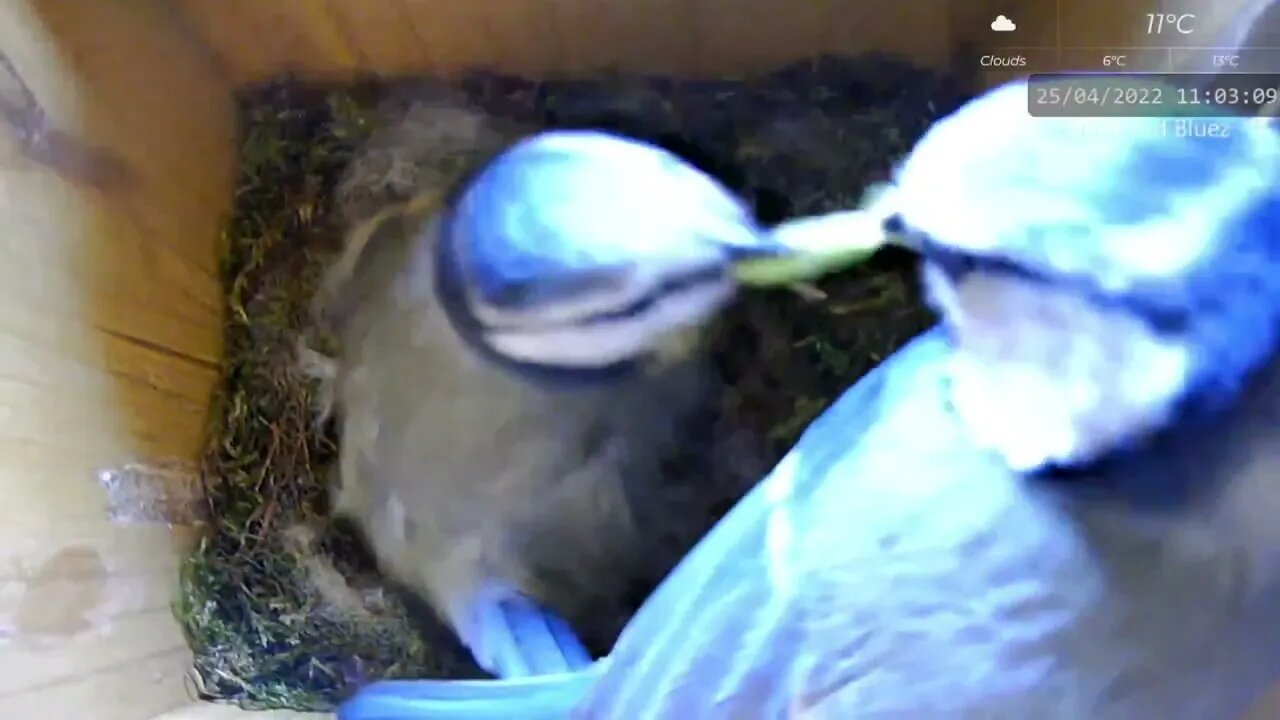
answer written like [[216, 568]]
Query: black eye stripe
[[525, 293], [671, 286], [894, 224], [1162, 317], [449, 291]]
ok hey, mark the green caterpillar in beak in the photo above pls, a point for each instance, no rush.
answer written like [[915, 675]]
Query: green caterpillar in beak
[[824, 244]]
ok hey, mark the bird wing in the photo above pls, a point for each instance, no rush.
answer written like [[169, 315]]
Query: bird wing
[[888, 569], [884, 568], [738, 629], [548, 697]]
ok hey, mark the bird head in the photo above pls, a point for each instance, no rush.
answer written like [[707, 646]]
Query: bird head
[[1100, 278], [579, 256]]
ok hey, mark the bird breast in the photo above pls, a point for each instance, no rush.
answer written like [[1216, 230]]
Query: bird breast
[[459, 471]]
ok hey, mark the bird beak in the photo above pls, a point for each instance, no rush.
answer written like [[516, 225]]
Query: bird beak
[[806, 249]]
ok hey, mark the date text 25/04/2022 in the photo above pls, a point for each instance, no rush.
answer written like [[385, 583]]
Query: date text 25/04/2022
[[1152, 95]]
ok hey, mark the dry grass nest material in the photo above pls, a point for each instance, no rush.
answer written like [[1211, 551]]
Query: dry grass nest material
[[282, 606]]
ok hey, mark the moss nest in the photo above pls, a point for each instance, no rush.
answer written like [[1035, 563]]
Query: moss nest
[[283, 607]]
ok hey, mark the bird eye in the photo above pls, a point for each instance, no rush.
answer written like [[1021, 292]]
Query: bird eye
[[894, 224], [514, 294]]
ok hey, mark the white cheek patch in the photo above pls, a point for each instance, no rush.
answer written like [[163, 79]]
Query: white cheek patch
[[1039, 375], [780, 527], [611, 341]]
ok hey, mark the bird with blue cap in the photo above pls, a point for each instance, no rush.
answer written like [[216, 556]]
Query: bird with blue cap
[[515, 357]]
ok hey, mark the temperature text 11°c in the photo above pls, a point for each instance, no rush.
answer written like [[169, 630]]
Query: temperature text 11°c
[[1181, 23]]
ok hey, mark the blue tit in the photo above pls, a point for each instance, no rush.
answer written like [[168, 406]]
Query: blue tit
[[578, 256], [1059, 503], [516, 358]]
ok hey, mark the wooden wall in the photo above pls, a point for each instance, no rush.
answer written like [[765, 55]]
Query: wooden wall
[[113, 185], [442, 36]]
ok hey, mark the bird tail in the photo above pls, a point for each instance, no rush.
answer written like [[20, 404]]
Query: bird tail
[[545, 697]]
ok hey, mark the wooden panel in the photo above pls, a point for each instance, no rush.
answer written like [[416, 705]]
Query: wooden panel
[[112, 202], [763, 33], [143, 250], [661, 36], [382, 36], [257, 40], [452, 35]]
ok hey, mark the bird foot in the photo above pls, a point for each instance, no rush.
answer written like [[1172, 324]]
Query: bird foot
[[511, 636]]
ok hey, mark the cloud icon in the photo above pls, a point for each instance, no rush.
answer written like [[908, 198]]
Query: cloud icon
[[1003, 24]]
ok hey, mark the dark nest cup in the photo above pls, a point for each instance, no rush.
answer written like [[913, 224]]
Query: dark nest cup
[[283, 606]]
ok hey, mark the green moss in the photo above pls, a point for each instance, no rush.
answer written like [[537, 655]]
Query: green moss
[[272, 621]]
